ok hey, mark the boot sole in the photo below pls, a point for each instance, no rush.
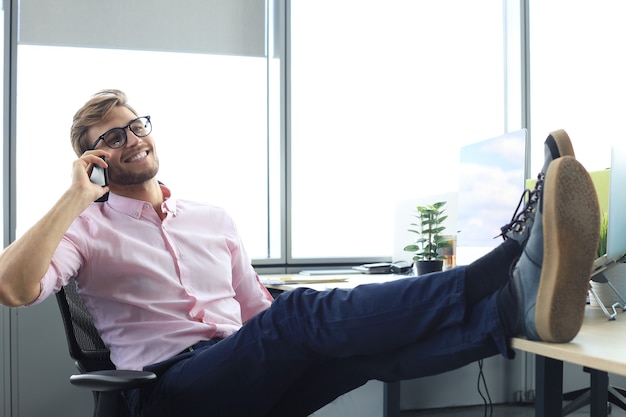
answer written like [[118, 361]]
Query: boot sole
[[571, 227], [562, 142]]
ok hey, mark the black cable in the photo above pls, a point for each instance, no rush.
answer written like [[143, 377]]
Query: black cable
[[487, 399]]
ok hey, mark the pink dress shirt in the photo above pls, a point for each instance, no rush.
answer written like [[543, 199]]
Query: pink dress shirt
[[156, 287]]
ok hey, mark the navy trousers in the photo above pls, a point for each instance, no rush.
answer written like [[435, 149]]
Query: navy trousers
[[310, 347]]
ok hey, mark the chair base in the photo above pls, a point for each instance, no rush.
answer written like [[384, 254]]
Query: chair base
[[582, 397]]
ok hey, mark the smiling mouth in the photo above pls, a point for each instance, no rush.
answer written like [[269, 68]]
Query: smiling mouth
[[138, 157]]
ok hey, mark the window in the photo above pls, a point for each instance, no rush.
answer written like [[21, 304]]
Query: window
[[4, 172], [207, 96], [378, 101], [577, 76], [5, 381], [382, 97], [215, 129]]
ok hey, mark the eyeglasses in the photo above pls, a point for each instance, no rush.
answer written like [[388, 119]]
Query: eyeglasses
[[116, 138]]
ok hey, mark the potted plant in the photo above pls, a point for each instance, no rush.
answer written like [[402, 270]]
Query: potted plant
[[427, 247], [604, 292]]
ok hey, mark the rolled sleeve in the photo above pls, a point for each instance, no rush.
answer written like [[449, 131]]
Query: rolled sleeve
[[63, 266]]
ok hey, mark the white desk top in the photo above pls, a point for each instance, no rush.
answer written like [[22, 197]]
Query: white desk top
[[600, 344], [288, 282]]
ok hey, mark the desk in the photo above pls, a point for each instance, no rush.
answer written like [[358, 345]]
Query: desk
[[287, 282], [599, 345], [390, 393]]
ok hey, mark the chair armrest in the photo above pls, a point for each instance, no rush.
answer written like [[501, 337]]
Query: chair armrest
[[112, 380]]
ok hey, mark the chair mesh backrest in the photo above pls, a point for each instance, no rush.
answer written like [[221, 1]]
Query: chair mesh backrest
[[86, 346]]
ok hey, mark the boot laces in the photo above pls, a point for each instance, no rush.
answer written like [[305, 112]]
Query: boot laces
[[521, 218]]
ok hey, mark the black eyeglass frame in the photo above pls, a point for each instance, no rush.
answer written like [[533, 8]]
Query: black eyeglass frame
[[123, 130]]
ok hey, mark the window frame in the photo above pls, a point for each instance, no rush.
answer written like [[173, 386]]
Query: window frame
[[279, 137]]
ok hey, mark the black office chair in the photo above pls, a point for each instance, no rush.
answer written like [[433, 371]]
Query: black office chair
[[92, 358], [582, 397]]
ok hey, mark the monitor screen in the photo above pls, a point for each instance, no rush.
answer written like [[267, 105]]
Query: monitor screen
[[491, 185], [616, 224]]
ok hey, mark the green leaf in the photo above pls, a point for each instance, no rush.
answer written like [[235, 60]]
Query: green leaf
[[428, 228]]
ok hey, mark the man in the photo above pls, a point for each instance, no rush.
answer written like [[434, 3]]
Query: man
[[171, 288]]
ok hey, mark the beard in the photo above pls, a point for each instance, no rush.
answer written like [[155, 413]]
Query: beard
[[133, 178]]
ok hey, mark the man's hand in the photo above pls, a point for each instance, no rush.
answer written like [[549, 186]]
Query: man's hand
[[81, 171]]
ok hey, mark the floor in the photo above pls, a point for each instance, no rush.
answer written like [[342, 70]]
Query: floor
[[498, 410]]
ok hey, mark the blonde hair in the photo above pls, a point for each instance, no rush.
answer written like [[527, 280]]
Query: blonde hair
[[92, 112]]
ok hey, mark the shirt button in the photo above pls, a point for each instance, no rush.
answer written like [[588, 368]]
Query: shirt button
[[136, 214], [146, 206]]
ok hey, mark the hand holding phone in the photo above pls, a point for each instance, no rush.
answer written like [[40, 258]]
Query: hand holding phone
[[100, 176]]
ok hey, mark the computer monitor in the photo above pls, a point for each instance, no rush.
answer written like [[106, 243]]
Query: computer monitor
[[491, 184], [612, 295], [616, 221]]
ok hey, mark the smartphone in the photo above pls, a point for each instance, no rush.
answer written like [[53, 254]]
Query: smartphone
[[100, 176]]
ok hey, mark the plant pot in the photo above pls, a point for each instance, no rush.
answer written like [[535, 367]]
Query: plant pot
[[426, 267]]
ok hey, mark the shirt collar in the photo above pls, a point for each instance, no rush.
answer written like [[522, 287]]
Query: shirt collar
[[169, 203], [135, 208]]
